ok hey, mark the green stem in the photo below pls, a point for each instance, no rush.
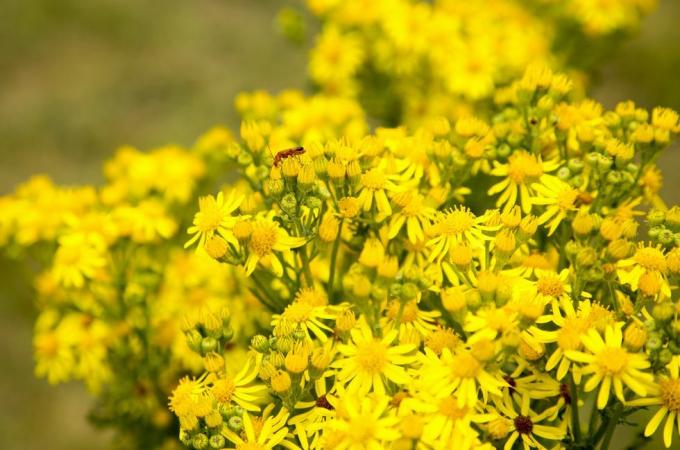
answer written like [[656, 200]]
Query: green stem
[[334, 258], [611, 426], [575, 420]]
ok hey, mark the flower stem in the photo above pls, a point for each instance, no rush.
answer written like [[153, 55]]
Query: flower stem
[[575, 420], [611, 426], [334, 258]]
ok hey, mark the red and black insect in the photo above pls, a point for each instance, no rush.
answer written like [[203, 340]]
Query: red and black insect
[[287, 153]]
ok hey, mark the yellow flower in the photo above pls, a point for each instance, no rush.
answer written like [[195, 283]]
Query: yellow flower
[[521, 172], [261, 433], [647, 271], [665, 392], [214, 216], [526, 424], [77, 259], [611, 366], [456, 372], [368, 362], [456, 226], [560, 199], [413, 213], [366, 422], [239, 388], [266, 238], [374, 186]]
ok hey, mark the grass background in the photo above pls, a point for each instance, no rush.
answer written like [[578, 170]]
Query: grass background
[[79, 78]]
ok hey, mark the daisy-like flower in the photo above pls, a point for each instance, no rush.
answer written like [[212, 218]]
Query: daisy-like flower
[[559, 199], [567, 337], [446, 423], [368, 362], [522, 170], [214, 216], [526, 424], [266, 238], [456, 372], [646, 270], [374, 186], [413, 213], [665, 393], [611, 366], [239, 388], [309, 318], [361, 423], [262, 433], [455, 226], [77, 259]]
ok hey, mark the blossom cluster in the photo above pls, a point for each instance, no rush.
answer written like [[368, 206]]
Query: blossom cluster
[[405, 59], [484, 261], [406, 312]]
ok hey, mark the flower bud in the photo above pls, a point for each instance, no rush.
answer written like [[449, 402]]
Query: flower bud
[[635, 336], [260, 343], [329, 228], [216, 247], [281, 382]]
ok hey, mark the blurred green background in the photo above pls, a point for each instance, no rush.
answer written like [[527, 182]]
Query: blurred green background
[[79, 78]]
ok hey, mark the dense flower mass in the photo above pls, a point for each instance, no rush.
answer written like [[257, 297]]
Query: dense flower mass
[[465, 269]]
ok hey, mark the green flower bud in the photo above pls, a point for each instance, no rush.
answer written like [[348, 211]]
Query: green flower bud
[[666, 237], [656, 217], [575, 165], [473, 299], [289, 203], [586, 257], [284, 344], [235, 424], [503, 150], [260, 343], [208, 344], [217, 441], [654, 232], [313, 202], [194, 339], [200, 441], [665, 356], [563, 173], [663, 311], [654, 341], [409, 291], [604, 163], [614, 177], [227, 333], [244, 159]]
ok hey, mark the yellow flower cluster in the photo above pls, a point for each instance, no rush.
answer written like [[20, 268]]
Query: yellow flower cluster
[[408, 312], [468, 273], [405, 59]]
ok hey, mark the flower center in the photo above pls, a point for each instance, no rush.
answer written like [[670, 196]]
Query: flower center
[[456, 222], [372, 356], [522, 165], [223, 390], [298, 311], [465, 365], [373, 179], [209, 217], [670, 394], [523, 424], [612, 360], [263, 239], [322, 402], [651, 259], [569, 337], [550, 285], [449, 408], [566, 198]]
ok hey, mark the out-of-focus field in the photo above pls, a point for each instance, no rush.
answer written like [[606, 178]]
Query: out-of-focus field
[[79, 78]]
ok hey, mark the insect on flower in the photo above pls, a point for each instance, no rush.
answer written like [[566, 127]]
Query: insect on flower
[[287, 153]]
